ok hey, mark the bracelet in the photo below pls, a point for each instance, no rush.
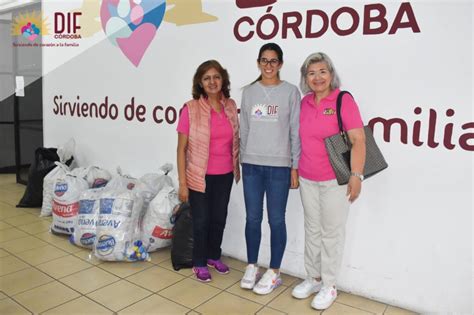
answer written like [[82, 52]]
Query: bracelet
[[359, 176]]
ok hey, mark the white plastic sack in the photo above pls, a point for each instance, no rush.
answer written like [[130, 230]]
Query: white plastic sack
[[48, 186], [121, 207], [66, 151], [80, 172], [95, 176], [156, 228], [171, 173], [67, 192], [149, 185], [85, 228]]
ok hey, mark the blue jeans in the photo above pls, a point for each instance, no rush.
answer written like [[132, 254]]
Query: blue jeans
[[275, 182]]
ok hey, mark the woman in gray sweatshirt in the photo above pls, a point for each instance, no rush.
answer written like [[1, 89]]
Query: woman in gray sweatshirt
[[269, 150]]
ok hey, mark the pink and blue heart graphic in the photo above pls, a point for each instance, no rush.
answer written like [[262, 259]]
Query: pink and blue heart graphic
[[131, 24], [30, 31]]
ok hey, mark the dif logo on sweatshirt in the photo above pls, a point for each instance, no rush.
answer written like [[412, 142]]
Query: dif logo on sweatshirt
[[264, 112]]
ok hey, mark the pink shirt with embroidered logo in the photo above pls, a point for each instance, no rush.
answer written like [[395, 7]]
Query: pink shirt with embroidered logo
[[220, 146], [318, 122]]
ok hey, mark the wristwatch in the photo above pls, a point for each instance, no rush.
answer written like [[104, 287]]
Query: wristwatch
[[359, 176]]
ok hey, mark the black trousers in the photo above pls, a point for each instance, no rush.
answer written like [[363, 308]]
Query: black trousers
[[209, 213]]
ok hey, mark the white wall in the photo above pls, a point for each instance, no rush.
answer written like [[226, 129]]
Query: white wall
[[409, 236]]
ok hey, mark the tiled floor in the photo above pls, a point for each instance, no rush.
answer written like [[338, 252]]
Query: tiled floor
[[44, 273]]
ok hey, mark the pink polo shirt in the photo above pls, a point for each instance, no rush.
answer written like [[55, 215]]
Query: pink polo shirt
[[319, 122], [220, 146]]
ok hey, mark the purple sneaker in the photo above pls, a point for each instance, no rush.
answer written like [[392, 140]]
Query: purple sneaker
[[218, 265], [202, 274]]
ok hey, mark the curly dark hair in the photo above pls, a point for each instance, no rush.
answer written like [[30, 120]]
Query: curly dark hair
[[201, 70]]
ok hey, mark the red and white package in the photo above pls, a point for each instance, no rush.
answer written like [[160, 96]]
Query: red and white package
[[48, 187], [66, 195]]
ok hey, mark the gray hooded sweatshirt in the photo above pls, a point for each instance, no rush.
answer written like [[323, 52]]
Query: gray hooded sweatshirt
[[269, 125]]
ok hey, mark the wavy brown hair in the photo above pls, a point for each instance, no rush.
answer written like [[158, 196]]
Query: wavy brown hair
[[198, 91]]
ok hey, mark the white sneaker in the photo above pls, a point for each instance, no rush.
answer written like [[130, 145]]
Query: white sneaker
[[306, 288], [250, 277], [324, 298], [268, 283]]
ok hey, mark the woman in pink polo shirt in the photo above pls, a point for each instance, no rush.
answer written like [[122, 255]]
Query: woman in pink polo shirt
[[325, 203], [208, 161]]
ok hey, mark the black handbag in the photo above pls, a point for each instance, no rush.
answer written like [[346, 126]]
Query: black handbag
[[182, 242], [339, 150]]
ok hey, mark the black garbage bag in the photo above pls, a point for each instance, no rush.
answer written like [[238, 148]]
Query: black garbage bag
[[182, 241], [41, 166]]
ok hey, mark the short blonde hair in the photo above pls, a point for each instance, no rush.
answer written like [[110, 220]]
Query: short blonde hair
[[315, 58]]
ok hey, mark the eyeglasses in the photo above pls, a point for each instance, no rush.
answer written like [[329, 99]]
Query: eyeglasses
[[272, 62]]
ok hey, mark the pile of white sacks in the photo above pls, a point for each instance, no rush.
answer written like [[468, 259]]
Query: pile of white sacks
[[118, 217]]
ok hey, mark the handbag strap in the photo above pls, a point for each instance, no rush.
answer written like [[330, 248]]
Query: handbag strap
[[338, 109]]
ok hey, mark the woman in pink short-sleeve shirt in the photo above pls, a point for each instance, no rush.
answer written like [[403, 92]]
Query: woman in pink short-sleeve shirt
[[208, 162], [325, 203]]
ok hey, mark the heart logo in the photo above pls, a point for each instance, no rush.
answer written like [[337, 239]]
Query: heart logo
[[131, 24], [30, 31]]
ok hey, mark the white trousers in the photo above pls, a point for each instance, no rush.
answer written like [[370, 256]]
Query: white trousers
[[326, 207]]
